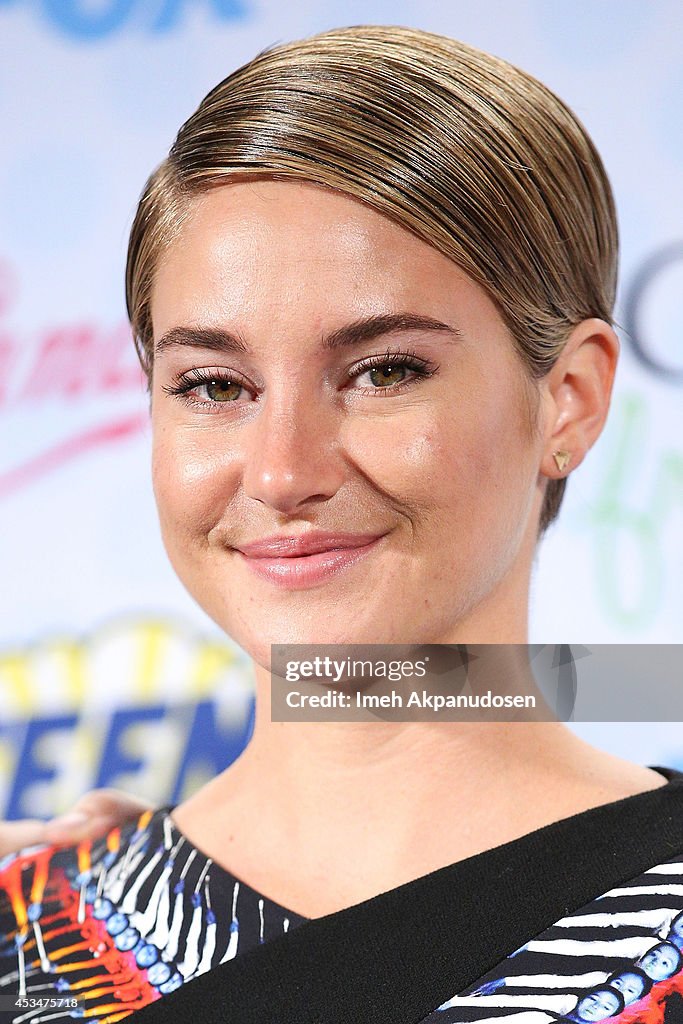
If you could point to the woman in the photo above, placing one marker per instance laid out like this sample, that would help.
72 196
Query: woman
372 289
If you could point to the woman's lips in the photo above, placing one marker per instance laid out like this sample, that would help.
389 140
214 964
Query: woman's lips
300 572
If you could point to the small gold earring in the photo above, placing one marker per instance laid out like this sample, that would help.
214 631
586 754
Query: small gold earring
562 459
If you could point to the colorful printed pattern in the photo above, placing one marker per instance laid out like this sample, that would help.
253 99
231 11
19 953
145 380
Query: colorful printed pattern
617 959
116 924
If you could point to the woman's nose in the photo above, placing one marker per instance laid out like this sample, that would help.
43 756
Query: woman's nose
293 456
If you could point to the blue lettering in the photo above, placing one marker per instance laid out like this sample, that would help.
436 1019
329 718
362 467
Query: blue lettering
210 748
115 761
205 747
229 8
170 10
30 768
78 19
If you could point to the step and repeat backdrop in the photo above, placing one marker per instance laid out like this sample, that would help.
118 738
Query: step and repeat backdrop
109 674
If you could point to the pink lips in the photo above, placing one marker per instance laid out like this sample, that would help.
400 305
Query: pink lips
296 562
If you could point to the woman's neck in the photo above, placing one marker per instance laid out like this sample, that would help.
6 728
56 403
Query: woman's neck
319 816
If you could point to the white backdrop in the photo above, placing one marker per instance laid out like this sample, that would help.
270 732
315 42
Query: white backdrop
108 671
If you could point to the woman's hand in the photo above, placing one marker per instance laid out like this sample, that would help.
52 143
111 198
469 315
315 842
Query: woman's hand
94 814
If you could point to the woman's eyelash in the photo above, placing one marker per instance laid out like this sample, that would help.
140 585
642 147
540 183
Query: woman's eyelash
195 377
186 382
411 360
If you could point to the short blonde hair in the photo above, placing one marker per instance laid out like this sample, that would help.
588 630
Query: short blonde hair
471 154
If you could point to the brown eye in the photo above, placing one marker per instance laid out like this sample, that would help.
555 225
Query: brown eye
382 376
222 390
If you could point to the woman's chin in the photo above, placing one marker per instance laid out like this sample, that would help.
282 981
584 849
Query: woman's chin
320 637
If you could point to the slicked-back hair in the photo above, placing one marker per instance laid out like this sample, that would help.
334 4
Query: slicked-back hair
469 153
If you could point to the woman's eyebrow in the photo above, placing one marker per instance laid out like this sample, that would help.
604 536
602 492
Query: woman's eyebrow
383 323
365 329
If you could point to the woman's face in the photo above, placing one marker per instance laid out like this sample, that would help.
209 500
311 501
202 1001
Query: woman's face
630 985
598 1005
659 962
434 457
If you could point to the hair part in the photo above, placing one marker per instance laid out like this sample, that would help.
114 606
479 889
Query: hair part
469 153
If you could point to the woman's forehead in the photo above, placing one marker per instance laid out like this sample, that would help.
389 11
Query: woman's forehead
293 223
255 248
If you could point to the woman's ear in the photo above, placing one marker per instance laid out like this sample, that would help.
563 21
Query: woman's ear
577 394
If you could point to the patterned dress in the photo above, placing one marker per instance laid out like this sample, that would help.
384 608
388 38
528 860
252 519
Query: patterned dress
581 921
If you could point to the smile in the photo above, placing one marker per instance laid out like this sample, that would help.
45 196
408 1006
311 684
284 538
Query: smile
303 571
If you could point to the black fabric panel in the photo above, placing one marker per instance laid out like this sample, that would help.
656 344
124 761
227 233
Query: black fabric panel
395 958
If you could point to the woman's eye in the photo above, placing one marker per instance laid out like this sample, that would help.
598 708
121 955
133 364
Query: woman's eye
391 372
221 390
384 376
199 388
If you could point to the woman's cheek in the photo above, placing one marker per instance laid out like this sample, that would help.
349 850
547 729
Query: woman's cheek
422 453
191 486
402 457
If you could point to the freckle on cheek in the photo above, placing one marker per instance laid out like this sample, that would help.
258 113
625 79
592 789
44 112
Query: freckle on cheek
421 450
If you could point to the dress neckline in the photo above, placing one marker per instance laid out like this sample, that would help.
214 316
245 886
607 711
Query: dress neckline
400 955
476 861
